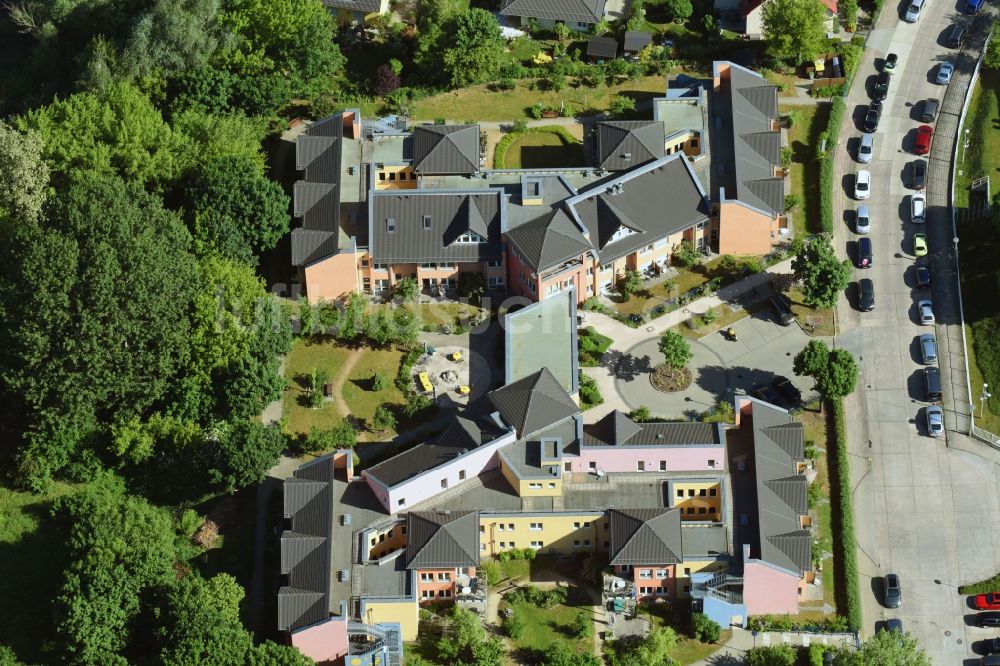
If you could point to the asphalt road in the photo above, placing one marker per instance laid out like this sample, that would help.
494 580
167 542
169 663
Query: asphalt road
925 509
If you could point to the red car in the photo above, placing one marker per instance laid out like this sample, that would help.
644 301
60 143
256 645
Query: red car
924 135
989 601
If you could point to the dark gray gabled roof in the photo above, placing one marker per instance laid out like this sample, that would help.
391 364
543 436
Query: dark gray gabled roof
645 536
617 429
625 144
781 491
441 149
533 403
316 198
305 548
583 11
661 198
636 41
461 435
355 5
602 47
442 539
449 215
549 240
755 146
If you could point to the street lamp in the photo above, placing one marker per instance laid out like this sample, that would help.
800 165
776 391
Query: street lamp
986 395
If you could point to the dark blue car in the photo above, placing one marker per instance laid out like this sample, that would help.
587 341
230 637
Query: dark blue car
973 6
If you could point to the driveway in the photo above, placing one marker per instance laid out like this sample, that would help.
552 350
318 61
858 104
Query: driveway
922 506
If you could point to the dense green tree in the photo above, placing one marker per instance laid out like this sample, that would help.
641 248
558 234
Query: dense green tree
835 371
488 652
24 175
104 328
383 419
241 452
234 209
116 131
120 547
210 137
251 385
653 649
679 9
206 88
885 648
705 628
772 655
475 50
795 29
676 349
171 36
629 283
583 625
992 58
561 654
432 24
823 276
406 289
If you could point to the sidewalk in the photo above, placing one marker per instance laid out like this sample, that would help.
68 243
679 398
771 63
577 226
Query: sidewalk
734 651
626 338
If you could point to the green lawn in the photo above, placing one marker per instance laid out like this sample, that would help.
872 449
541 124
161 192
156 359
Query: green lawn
545 626
687 278
540 150
803 137
438 314
690 650
32 556
724 316
361 400
483 104
819 434
978 259
821 321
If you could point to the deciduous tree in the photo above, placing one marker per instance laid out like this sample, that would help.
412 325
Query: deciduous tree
823 276
476 48
24 175
795 29
241 452
675 348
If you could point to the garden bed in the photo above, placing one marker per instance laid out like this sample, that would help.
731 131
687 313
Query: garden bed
592 346
670 380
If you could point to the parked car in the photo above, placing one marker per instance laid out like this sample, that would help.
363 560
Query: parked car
989 601
893 594
866 295
918 208
923 277
913 11
932 384
765 393
973 6
787 389
945 71
956 35
781 311
991 619
866 147
926 310
889 65
928 349
919 245
990 645
928 112
864 258
881 86
918 174
922 146
862 220
862 184
872 116
935 420
892 624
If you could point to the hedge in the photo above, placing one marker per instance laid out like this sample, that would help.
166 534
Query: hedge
500 153
982 587
826 164
845 561
404 376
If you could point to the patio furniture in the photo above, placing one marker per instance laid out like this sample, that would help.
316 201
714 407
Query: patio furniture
425 382
464 390
456 356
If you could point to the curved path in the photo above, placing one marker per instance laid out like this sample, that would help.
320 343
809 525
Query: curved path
921 507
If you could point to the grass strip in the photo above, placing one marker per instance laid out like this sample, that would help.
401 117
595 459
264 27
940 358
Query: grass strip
845 559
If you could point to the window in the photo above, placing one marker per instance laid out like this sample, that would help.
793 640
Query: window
536 544
445 264
680 492
427 222
389 534
535 526
687 571
373 541
660 243
568 467
712 492
586 543
390 225
531 287
660 590
381 538
645 573
426 594
502 527
426 265
587 524
661 573
576 544
535 486
495 263
690 510
444 483
444 575
590 290
444 594
470 237
482 547
690 492
513 544
381 175
552 485
392 175
592 465
402 501
702 492
649 248
576 526
606 267
607 544
482 529
663 465
503 544
640 465
380 267
694 143
495 281
461 475
627 157
510 527
620 234
580 25
702 510
701 225
404 530
711 464
426 576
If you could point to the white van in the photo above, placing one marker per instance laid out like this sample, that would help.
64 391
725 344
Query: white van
913 12
866 147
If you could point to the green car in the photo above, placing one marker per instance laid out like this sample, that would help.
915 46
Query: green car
920 245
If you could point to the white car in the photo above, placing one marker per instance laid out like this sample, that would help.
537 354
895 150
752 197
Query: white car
918 208
862 185
926 310
862 220
913 11
866 147
935 421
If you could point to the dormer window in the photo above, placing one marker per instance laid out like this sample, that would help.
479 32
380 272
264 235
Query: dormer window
427 222
470 237
621 233
390 225
627 157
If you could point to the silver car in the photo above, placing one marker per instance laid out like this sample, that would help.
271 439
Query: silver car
918 208
928 349
926 310
935 421
863 220
945 70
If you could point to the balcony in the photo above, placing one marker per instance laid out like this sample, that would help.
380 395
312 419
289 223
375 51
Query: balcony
723 587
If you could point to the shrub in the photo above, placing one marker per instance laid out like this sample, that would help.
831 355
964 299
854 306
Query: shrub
583 625
826 165
404 377
792 202
520 126
537 597
592 346
842 518
708 316
981 587
621 106
640 414
503 84
416 403
786 157
492 571
685 255
590 396
772 655
513 625
705 628
518 554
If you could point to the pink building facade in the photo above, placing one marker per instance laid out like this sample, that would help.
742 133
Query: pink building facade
769 589
649 459
324 641
428 484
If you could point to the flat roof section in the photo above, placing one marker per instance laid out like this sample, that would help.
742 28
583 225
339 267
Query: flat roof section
544 335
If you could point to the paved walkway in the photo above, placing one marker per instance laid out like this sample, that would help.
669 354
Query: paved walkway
734 651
